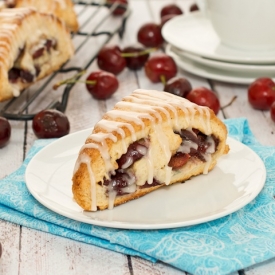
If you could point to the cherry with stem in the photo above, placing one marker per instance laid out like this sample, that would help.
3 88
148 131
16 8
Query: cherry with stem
160 68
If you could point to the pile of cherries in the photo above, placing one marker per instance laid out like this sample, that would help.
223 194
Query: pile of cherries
159 67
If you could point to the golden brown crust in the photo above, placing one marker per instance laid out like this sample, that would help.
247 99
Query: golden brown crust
157 116
21 31
63 9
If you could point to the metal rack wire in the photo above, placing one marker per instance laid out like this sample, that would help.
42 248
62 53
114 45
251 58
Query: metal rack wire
22 113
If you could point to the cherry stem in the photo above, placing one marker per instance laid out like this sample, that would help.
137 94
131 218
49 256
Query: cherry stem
229 103
73 80
163 79
134 54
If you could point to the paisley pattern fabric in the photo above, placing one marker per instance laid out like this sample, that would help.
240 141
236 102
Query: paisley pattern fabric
222 246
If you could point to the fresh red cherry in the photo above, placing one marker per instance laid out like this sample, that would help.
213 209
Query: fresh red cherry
50 124
204 97
272 111
170 9
194 7
103 84
109 59
150 35
135 56
160 68
5 132
261 93
179 86
123 4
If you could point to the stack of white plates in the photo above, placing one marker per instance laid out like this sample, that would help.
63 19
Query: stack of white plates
197 49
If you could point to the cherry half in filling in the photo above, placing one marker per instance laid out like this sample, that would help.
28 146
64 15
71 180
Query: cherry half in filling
194 144
134 152
123 182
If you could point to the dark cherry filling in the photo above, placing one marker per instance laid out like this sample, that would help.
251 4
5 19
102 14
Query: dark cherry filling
122 180
46 46
13 75
180 159
118 182
134 152
26 76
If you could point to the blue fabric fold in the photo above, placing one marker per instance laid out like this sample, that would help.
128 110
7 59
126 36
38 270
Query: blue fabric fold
222 246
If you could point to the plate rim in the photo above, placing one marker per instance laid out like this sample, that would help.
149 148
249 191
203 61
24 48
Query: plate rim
198 15
138 226
219 64
187 66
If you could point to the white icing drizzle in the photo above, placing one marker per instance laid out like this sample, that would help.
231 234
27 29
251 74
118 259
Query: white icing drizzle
186 146
168 175
208 154
110 126
163 141
87 160
208 159
150 166
111 197
103 149
157 106
143 110
131 188
128 163
142 150
132 116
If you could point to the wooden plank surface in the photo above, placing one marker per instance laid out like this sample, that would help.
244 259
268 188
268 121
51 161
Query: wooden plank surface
27 251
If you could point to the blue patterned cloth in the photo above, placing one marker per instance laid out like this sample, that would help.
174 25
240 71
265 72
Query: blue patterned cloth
222 246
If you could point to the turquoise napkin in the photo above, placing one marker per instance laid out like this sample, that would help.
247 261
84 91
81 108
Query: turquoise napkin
225 245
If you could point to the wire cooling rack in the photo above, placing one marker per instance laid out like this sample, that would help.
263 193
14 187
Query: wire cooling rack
95 20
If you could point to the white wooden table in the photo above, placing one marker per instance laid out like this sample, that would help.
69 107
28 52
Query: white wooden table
27 251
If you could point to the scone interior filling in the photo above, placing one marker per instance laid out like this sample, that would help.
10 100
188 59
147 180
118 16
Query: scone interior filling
123 179
31 59
194 144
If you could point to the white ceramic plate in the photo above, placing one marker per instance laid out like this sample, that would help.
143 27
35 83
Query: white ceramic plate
194 33
252 69
235 181
205 71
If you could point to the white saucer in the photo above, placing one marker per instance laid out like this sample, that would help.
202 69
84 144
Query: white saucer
201 70
194 33
251 69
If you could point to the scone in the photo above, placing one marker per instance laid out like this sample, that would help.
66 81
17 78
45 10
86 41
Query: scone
63 9
32 45
150 139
